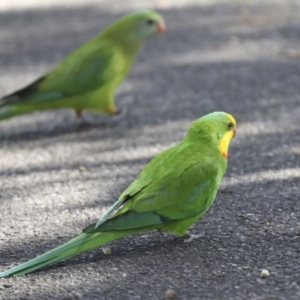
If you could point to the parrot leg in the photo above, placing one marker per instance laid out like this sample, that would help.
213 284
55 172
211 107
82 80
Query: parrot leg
190 237
79 112
84 121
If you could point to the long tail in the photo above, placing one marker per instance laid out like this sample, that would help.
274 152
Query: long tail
11 110
6 112
7 103
81 243
7 106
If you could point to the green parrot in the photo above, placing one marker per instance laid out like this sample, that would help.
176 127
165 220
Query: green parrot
88 77
170 194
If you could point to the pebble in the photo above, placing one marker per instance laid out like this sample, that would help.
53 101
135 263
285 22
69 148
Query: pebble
170 294
264 273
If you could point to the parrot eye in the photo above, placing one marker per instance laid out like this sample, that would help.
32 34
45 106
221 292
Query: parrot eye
150 22
230 125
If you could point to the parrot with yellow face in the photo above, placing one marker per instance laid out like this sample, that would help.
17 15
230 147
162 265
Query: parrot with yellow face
170 194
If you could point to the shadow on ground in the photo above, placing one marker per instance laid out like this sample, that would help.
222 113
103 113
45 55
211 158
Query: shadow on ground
217 57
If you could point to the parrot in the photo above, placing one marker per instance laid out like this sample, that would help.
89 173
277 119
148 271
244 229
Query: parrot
170 194
87 78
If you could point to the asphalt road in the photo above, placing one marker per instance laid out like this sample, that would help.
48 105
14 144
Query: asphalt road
217 55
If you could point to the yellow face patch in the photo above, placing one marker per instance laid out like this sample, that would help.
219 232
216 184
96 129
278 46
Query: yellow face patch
225 140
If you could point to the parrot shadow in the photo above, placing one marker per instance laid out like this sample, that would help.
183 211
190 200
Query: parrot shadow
50 127
130 247
219 242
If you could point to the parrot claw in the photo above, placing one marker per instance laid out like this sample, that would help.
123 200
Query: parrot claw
162 233
190 237
120 114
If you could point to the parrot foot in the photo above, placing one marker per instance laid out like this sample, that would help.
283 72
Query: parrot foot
119 114
162 233
190 237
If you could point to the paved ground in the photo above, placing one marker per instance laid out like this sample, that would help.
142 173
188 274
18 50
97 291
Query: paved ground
217 55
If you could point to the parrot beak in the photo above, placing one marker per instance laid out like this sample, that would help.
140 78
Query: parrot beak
161 27
234 133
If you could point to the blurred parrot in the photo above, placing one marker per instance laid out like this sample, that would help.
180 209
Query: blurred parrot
170 194
88 77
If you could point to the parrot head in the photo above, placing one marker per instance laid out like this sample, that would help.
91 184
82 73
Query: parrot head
138 25
145 23
218 127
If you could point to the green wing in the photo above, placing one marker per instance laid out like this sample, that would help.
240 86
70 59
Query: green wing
83 71
177 194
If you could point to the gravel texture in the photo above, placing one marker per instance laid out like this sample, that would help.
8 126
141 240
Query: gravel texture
57 176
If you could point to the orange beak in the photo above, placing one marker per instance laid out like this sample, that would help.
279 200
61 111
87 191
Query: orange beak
234 133
161 27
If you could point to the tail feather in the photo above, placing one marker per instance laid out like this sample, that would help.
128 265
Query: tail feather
79 244
22 93
6 112
14 105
